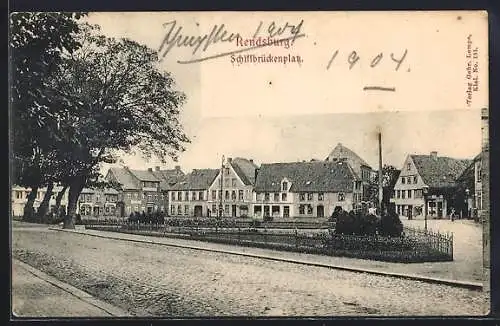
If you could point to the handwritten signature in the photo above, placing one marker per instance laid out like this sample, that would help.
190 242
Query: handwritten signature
220 34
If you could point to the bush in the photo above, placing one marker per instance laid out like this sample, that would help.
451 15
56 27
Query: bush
390 224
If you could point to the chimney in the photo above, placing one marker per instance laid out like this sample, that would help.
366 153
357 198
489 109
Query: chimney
434 155
157 168
256 173
229 159
150 169
177 167
251 160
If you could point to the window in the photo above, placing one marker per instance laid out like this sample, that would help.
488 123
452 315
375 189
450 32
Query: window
227 182
201 195
408 166
409 180
398 193
320 196
179 210
227 195
19 195
284 186
302 196
193 196
418 193
479 174
301 209
286 211
233 182
403 180
276 197
403 194
172 210
149 198
283 197
341 196
179 196
186 195
415 179
233 195
309 196
266 196
220 194
214 208
186 209
214 194
309 209
226 171
240 194
226 209
409 193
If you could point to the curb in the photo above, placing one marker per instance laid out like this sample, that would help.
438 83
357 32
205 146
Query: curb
461 284
82 295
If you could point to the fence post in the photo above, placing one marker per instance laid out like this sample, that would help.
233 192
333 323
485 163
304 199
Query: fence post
296 238
451 245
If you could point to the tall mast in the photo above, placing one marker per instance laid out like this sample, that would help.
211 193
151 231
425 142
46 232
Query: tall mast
221 183
380 175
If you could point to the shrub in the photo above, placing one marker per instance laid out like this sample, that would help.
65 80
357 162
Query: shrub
390 224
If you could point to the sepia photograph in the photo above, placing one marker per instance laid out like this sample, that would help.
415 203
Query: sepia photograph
249 164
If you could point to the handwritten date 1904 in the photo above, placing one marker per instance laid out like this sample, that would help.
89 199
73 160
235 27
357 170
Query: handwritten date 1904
353 58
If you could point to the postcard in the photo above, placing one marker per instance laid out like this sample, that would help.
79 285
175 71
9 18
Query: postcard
249 164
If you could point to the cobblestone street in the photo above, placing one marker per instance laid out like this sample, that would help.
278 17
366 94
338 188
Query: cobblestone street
153 280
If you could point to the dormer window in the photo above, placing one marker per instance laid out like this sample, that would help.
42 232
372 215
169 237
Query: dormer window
284 186
408 166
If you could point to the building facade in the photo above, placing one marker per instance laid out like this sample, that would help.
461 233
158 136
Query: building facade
189 196
427 185
305 189
142 190
360 167
231 192
19 198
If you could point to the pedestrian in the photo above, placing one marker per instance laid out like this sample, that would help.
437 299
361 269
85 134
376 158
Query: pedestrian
452 214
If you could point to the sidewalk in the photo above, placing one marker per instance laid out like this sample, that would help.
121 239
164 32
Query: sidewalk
441 273
36 294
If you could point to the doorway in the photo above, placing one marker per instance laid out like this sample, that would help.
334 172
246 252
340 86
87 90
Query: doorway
233 210
320 211
198 211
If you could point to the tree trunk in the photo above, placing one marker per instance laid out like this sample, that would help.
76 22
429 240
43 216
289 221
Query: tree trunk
74 192
44 206
29 212
59 198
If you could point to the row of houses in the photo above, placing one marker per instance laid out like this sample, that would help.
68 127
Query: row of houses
427 185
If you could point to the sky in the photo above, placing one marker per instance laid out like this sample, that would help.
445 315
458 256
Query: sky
282 113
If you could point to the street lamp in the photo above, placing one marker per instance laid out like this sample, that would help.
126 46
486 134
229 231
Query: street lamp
467 191
425 190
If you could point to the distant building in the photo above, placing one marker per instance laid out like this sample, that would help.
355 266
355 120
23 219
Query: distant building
140 189
427 185
305 189
236 192
188 197
469 190
19 198
360 167
98 203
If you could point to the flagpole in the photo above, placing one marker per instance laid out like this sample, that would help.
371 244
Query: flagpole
380 175
221 183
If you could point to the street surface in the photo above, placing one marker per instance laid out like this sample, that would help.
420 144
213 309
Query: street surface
154 280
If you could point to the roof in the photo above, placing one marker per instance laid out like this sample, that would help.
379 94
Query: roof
306 177
245 169
342 152
121 175
168 177
198 179
144 175
439 171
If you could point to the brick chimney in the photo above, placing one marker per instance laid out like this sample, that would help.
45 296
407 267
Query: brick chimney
251 160
157 168
434 155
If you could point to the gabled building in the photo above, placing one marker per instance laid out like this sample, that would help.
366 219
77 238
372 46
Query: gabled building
470 191
168 178
188 197
427 185
360 167
140 190
234 196
305 189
